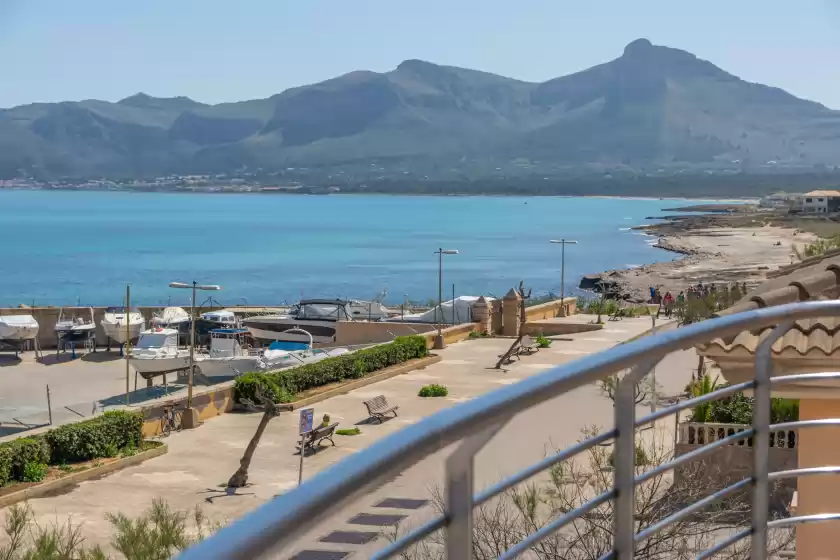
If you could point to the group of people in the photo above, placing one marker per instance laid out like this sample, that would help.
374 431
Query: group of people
715 297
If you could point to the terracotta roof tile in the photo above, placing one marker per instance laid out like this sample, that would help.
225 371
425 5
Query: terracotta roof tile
812 336
814 278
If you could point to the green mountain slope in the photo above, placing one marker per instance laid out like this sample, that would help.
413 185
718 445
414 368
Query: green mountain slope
652 105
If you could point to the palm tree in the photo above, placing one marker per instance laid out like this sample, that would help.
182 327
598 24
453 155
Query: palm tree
703 386
271 409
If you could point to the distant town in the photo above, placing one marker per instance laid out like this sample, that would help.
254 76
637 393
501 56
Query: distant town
221 183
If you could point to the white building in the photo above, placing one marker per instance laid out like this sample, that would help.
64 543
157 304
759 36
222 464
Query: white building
821 202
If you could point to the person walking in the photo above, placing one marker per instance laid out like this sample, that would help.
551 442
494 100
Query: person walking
668 302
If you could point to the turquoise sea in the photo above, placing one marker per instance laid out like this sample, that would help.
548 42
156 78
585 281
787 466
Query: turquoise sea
63 247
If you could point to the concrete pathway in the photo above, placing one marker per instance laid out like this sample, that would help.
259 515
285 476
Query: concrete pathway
200 461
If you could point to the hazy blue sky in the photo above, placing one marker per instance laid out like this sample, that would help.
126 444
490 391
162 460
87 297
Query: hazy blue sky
224 50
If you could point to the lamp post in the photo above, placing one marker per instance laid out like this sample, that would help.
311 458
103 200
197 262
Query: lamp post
190 417
563 243
440 252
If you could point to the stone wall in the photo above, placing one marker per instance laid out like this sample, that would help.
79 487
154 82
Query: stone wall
359 332
552 309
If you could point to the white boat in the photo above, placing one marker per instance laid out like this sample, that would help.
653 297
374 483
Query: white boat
123 325
157 352
172 317
76 327
317 317
222 319
16 328
361 310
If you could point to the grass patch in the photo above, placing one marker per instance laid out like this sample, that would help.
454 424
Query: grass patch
433 390
349 432
475 334
542 341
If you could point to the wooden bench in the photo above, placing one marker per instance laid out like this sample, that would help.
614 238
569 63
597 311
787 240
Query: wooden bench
317 436
528 345
379 408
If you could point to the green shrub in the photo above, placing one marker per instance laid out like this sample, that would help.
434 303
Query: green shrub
737 408
642 458
251 384
5 465
34 472
27 450
349 432
95 438
477 334
542 341
433 390
287 383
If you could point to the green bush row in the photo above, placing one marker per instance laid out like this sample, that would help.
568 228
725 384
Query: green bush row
283 385
103 436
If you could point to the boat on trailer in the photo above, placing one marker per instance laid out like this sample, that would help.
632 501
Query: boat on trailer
75 329
17 328
123 325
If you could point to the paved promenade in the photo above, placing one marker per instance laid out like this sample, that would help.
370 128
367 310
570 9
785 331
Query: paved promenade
201 460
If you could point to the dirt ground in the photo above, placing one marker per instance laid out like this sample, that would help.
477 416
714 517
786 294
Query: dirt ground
715 255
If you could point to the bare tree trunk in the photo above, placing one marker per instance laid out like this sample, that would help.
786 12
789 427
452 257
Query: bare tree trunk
522 320
240 477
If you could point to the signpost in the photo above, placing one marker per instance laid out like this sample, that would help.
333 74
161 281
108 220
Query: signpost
307 415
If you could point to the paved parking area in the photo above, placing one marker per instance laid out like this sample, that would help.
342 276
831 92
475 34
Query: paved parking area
201 460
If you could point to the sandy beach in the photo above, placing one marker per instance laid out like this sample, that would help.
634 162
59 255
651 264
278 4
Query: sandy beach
712 255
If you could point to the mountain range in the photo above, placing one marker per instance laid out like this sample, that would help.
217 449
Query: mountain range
652 105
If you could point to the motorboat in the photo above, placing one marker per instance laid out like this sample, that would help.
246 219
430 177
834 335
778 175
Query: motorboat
222 319
123 325
172 317
17 328
157 352
361 310
75 328
316 317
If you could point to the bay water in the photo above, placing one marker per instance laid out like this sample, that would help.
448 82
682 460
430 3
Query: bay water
68 247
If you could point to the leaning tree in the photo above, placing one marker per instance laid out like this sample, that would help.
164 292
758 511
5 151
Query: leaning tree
270 410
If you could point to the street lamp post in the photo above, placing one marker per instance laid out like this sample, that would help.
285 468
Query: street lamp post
563 243
439 345
190 417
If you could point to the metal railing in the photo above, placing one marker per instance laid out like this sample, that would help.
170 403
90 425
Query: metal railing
277 524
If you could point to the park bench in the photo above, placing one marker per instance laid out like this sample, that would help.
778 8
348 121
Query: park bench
318 435
378 408
528 345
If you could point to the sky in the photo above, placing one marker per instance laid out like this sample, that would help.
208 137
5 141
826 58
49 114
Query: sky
224 50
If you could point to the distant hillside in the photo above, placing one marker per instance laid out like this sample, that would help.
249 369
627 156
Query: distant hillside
651 106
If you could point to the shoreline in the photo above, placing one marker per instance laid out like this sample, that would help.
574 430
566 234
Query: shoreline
699 198
721 254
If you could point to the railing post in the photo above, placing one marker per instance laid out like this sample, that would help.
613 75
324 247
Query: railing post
624 462
459 495
761 441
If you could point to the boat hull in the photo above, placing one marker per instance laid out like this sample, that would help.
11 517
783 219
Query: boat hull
117 331
323 332
17 333
159 366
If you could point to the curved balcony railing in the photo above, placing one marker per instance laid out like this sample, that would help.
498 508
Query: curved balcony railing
278 524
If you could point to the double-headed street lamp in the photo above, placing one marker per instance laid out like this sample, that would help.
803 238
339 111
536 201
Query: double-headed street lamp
563 243
440 252
191 413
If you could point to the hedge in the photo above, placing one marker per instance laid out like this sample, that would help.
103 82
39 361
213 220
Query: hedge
103 436
283 385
